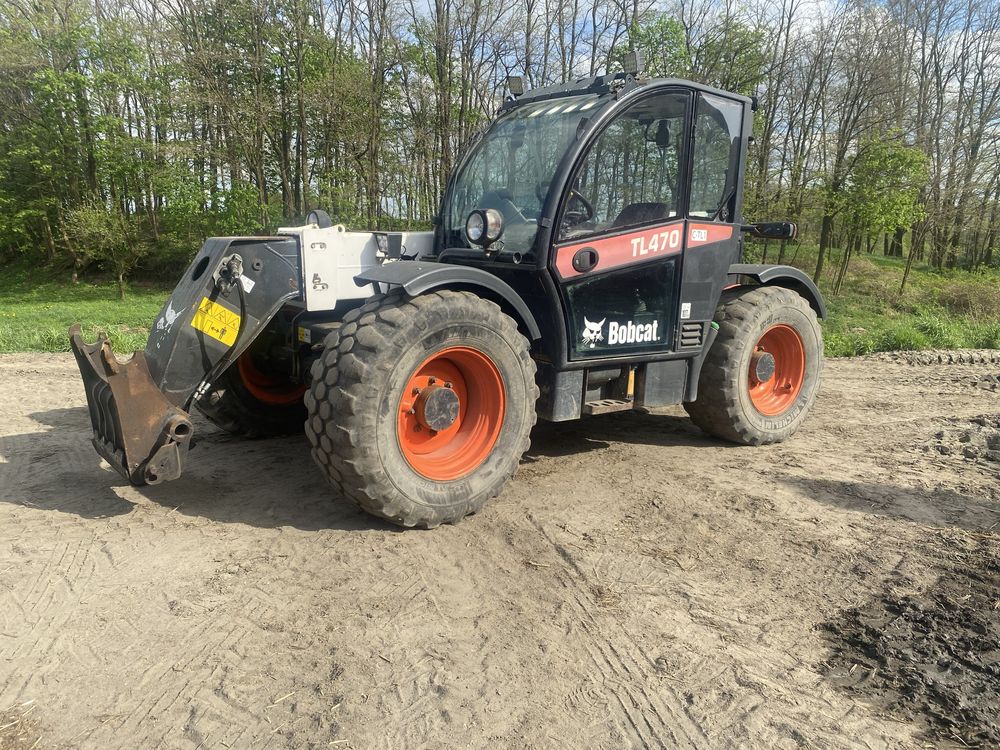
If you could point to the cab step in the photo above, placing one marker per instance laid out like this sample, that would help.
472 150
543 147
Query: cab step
607 405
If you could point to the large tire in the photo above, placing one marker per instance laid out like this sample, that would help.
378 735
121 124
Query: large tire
245 402
733 402
368 427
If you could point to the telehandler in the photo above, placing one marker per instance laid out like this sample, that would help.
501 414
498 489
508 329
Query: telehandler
586 260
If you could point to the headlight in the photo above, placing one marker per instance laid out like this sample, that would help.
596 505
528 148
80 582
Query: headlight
484 226
494 224
474 227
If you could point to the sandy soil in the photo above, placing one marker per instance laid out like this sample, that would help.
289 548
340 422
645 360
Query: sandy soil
637 586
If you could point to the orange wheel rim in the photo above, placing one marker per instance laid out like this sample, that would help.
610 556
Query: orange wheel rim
777 370
471 389
267 389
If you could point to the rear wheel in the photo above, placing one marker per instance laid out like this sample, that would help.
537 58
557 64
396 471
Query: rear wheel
420 409
762 374
247 401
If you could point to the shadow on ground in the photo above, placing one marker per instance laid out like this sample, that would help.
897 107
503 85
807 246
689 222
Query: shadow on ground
266 483
57 469
938 506
634 427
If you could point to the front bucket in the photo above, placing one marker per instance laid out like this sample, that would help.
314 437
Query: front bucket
136 429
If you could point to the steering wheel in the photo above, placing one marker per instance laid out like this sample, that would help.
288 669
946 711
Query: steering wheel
571 218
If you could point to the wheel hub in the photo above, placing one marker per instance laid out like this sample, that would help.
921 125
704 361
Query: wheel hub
450 413
777 370
762 366
437 407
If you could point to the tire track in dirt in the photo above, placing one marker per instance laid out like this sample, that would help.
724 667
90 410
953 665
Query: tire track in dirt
411 700
181 616
647 719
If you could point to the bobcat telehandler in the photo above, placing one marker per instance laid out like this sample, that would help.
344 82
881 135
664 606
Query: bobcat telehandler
586 259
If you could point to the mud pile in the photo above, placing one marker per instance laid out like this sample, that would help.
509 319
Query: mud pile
988 383
975 439
932 656
940 357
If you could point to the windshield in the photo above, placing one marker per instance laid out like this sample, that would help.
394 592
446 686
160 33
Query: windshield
512 166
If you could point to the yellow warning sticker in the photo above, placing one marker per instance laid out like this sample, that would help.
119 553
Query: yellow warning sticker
217 321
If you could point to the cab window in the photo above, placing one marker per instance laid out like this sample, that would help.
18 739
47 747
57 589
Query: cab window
631 175
715 158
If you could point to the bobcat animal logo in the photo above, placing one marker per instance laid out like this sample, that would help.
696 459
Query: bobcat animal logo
592 332
169 316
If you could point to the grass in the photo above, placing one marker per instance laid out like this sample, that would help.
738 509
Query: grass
946 310
37 307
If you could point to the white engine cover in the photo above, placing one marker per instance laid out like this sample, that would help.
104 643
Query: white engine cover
332 257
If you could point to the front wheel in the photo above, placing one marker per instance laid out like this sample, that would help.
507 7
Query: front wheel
762 375
420 409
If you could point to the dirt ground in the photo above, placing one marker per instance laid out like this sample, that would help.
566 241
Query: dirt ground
638 585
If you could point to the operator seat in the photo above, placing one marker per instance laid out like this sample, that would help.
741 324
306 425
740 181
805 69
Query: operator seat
503 201
640 213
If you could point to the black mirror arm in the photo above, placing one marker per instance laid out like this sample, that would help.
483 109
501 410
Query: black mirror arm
771 230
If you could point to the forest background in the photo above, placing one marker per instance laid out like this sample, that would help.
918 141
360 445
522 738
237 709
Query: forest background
130 130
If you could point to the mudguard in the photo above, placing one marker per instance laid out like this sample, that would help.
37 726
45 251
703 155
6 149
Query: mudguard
139 408
786 276
417 277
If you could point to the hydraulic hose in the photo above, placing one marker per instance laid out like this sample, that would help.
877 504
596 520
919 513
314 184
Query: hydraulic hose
234 280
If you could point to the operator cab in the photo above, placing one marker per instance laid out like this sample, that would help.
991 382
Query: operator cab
597 156
601 187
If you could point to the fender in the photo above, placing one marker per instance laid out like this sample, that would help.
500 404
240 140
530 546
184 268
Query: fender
786 276
417 278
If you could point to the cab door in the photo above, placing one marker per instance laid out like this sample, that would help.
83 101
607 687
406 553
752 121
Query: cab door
647 231
620 235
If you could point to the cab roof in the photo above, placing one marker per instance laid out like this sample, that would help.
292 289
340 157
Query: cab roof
607 84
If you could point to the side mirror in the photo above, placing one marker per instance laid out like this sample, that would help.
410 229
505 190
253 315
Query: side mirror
658 132
772 230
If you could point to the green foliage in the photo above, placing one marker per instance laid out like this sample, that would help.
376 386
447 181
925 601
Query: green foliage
107 235
734 58
236 211
660 39
191 212
883 190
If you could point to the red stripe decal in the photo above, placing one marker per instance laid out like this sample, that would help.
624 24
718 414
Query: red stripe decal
704 234
642 244
622 249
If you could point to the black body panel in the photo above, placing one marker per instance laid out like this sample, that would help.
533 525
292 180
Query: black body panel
418 277
786 276
178 354
661 383
560 393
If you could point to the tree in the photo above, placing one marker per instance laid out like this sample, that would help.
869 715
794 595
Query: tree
189 117
883 191
110 238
